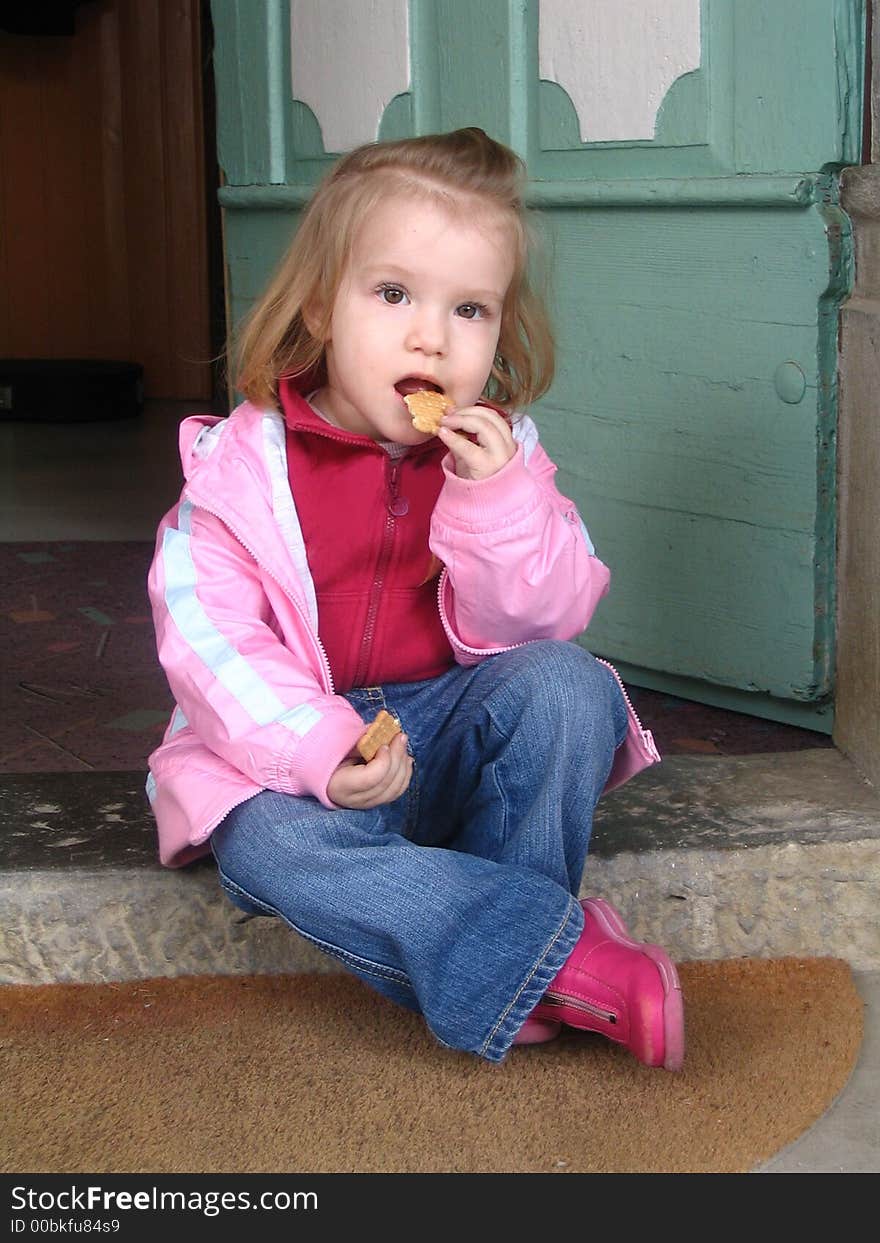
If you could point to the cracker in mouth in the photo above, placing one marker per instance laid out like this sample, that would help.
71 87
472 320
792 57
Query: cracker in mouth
427 409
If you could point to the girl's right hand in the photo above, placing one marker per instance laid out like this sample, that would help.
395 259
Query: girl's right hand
357 785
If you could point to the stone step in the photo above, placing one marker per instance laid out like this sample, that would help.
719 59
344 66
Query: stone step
713 857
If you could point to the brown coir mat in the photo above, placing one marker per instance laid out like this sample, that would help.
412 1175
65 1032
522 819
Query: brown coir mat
316 1073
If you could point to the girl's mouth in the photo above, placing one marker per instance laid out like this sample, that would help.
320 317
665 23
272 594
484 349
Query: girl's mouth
415 384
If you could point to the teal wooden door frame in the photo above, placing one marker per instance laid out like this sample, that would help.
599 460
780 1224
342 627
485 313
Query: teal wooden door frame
698 279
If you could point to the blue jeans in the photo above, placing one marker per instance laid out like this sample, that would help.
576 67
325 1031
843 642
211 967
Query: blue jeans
459 899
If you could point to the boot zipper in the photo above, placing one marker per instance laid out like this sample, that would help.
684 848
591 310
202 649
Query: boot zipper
574 1003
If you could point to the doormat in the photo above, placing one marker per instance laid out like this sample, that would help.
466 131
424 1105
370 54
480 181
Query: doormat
318 1074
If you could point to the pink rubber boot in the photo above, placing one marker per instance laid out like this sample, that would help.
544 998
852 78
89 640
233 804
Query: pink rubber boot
626 990
537 1031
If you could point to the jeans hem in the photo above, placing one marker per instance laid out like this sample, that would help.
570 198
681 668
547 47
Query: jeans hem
535 986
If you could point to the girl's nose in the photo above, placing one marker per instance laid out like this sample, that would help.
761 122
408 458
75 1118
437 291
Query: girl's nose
427 333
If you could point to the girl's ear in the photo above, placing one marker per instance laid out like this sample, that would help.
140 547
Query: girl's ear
313 315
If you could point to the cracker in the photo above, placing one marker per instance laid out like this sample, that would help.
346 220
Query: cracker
382 730
427 409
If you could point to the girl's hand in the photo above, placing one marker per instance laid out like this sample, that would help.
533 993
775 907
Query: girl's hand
358 785
494 445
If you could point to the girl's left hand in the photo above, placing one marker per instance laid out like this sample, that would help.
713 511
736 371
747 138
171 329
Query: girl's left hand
493 448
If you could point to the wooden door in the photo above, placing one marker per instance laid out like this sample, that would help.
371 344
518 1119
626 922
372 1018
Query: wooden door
103 233
684 162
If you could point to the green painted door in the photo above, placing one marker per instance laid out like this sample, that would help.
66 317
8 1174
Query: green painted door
684 161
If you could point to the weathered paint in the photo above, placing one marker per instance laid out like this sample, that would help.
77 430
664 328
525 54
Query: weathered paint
616 59
688 269
349 59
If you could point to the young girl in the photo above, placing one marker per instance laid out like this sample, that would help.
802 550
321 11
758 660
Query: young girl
327 560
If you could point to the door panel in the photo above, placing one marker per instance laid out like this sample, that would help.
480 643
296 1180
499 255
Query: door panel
698 267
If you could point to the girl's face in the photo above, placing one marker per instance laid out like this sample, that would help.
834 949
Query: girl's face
419 307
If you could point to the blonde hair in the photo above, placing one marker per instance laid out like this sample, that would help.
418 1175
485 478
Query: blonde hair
456 169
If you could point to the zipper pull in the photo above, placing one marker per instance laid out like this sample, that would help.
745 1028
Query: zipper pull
398 506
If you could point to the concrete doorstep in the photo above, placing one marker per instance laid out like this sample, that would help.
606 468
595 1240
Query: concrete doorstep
713 857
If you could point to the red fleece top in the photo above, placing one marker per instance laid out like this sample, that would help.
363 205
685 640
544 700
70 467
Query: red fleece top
365 519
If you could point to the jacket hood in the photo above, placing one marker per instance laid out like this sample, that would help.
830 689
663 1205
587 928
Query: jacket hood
195 439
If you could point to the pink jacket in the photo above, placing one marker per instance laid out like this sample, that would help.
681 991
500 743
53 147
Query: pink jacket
237 629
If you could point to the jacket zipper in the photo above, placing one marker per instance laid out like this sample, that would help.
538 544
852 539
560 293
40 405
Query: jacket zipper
645 735
576 1003
204 834
455 642
392 474
325 663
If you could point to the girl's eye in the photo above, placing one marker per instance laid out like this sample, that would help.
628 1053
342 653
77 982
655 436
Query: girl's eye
392 295
472 310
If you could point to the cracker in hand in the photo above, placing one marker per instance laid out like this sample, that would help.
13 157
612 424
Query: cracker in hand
427 409
382 730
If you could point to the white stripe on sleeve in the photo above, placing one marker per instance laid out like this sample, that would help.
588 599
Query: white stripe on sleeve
227 665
